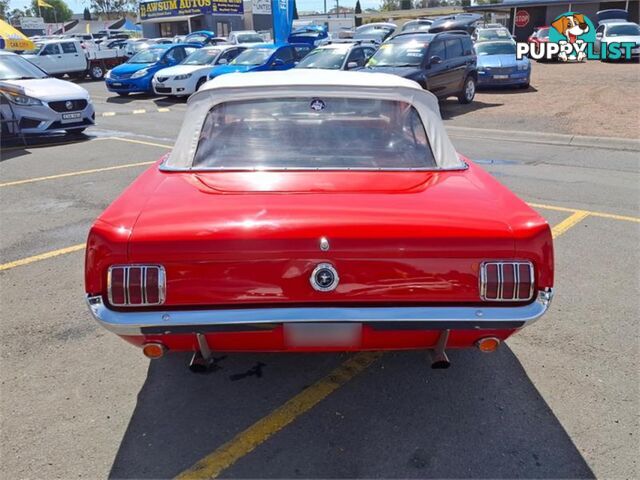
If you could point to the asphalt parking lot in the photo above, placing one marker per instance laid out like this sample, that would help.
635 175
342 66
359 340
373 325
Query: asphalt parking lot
560 399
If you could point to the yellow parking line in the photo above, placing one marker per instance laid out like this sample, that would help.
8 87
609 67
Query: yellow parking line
93 170
162 110
72 174
42 256
108 114
613 216
246 441
140 110
568 223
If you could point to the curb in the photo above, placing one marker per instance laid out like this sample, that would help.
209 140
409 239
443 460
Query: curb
609 143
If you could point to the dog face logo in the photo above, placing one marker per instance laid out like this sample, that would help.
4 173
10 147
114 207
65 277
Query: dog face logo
571 26
572 31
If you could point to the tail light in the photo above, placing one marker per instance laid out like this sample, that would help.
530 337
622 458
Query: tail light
136 285
506 281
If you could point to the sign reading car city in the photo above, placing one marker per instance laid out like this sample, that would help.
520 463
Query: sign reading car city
173 8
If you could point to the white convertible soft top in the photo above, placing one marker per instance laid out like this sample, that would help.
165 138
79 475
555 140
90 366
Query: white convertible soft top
311 83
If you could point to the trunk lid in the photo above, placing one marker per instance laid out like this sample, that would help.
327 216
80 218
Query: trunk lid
254 237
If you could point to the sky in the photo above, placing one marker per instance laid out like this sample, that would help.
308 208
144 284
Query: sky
303 5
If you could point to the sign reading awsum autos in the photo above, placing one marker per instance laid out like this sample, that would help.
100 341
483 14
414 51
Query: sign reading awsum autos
173 8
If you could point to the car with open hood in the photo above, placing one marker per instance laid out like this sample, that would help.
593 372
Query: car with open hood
378 31
467 22
417 25
256 233
32 102
313 35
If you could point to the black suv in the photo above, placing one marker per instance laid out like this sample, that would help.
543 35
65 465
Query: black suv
443 63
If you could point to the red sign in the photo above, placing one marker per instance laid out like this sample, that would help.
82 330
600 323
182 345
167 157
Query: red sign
522 18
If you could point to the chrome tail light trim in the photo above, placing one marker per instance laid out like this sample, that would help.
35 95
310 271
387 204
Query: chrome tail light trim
500 267
162 287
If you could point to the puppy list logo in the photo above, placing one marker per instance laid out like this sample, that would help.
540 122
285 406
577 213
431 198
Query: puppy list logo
572 38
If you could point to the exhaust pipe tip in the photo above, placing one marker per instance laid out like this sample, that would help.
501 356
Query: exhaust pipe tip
440 361
154 350
488 344
441 364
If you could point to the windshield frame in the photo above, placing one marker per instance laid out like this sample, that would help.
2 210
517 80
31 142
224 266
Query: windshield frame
319 52
623 25
484 45
161 52
422 44
205 53
249 38
415 112
23 61
271 51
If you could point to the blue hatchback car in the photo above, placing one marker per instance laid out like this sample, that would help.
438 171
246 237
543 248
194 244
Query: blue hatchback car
498 65
314 35
135 75
264 57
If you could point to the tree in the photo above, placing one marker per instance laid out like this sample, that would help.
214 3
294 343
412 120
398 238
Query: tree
4 9
389 5
358 10
17 13
86 14
405 4
61 9
113 8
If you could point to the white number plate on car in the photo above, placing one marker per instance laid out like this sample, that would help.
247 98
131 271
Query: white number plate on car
323 334
68 117
501 77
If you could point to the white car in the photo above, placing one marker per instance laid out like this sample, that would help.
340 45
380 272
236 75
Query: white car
187 77
244 37
32 102
620 32
133 46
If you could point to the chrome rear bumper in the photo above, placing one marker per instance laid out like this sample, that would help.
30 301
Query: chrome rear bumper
391 318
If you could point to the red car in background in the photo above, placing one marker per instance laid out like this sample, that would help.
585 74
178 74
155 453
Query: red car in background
540 35
316 211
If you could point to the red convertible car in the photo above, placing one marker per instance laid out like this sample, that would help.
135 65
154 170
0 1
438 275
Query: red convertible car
316 211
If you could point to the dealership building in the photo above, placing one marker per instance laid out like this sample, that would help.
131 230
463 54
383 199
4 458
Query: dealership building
525 15
167 18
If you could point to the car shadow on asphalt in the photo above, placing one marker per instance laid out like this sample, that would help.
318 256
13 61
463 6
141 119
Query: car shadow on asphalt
481 418
451 108
132 97
15 147
507 91
169 101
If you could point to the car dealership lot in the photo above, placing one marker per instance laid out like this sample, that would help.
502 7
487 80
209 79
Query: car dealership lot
560 399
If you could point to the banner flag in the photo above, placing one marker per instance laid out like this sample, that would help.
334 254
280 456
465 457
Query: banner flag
282 14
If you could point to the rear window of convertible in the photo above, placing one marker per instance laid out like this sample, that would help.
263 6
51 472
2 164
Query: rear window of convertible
313 133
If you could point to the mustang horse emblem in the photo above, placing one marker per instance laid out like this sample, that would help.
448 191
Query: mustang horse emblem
324 278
